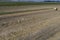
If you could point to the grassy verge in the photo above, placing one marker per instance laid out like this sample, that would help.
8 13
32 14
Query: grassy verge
26 3
2 13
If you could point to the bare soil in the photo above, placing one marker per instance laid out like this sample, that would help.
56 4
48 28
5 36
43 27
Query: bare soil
36 25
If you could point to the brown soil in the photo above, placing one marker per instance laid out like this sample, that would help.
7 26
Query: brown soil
37 25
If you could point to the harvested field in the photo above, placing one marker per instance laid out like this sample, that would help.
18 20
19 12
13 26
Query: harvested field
35 25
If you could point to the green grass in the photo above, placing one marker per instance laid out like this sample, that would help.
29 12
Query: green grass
26 3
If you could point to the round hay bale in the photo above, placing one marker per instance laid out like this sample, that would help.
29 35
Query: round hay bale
55 9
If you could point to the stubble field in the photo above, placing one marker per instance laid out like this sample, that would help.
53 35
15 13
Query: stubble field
33 25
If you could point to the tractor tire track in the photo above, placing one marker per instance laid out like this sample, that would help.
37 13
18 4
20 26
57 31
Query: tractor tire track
47 32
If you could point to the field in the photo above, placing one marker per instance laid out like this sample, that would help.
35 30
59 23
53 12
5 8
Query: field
30 22
22 6
27 3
